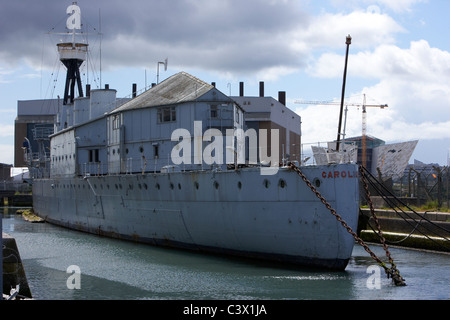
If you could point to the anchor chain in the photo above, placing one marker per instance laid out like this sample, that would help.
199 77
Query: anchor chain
394 274
393 268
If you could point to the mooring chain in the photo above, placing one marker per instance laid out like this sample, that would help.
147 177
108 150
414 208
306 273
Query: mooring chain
394 274
377 223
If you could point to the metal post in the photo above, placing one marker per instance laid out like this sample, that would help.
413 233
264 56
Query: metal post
347 42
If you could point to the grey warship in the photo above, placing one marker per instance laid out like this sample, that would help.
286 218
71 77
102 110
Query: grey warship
174 166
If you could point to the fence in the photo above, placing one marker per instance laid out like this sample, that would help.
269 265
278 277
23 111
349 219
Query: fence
426 184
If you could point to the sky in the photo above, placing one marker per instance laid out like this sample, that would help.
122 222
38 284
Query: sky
399 56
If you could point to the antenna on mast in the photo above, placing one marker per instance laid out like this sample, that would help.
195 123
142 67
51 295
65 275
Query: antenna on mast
100 33
165 62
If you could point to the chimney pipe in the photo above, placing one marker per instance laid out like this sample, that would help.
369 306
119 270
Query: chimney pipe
213 84
261 89
241 89
134 90
88 90
107 86
282 97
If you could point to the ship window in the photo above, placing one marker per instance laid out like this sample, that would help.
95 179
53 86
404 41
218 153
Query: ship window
214 113
116 122
167 114
94 155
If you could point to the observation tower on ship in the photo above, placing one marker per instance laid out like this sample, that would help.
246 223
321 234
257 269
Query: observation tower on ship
72 55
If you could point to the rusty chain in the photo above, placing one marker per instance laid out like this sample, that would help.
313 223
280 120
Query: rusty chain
391 272
377 223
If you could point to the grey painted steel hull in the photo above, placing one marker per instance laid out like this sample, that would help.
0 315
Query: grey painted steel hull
239 212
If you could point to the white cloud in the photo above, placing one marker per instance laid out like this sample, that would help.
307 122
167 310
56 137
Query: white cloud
398 6
413 82
367 29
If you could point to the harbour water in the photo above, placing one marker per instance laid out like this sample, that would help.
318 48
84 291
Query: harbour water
119 270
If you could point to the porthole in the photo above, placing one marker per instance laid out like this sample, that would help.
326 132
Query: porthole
216 185
316 182
266 183
141 149
145 186
158 186
240 185
282 183
179 186
171 186
196 185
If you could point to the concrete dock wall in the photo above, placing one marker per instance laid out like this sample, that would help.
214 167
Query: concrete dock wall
13 270
425 230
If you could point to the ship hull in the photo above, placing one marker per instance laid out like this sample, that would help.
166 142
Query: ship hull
243 213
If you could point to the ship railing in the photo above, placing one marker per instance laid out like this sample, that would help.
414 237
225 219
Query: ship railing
94 169
42 132
39 172
322 153
129 166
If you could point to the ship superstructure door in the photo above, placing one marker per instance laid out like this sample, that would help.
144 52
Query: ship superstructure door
116 135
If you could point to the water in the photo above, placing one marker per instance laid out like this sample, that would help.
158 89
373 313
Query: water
113 269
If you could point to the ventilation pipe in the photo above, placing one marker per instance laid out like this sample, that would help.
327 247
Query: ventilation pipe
261 89
241 89
134 90
282 97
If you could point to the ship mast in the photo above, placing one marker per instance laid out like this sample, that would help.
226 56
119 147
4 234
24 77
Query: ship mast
72 55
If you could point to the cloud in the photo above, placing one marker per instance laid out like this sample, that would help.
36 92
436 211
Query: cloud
398 6
412 81
368 29
227 35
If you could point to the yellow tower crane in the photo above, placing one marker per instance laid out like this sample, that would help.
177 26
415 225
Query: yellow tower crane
364 119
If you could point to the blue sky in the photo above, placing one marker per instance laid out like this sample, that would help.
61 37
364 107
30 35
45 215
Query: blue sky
400 56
